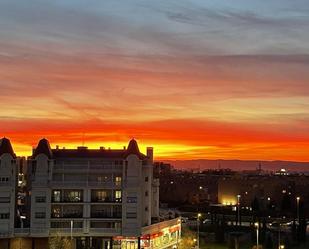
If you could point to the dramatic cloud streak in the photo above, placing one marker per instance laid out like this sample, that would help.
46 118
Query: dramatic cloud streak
196 80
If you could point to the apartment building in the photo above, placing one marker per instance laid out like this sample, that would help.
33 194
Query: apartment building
99 198
8 186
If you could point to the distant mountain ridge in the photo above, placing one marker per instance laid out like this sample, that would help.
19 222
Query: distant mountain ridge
239 164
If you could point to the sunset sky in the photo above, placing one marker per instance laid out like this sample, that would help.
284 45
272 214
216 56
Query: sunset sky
195 79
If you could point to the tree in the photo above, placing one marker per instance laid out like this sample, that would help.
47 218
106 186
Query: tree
269 244
255 205
59 242
286 203
188 239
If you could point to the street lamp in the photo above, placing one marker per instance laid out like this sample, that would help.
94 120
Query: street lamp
22 218
279 236
238 209
298 199
198 230
256 224
71 229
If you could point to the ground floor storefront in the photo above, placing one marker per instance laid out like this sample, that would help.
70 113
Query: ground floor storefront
162 235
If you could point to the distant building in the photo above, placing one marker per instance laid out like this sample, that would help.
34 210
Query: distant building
267 190
101 198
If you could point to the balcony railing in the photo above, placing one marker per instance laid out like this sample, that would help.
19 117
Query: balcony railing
112 231
106 200
22 231
67 215
65 231
69 200
108 215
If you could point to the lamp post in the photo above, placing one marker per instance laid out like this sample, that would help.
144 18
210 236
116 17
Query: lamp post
256 224
297 200
198 230
71 229
279 236
238 209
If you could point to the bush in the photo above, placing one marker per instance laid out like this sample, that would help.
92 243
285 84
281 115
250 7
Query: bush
59 242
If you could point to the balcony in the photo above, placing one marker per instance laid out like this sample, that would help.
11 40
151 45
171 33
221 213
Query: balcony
67 215
106 215
22 231
66 231
105 231
105 200
66 200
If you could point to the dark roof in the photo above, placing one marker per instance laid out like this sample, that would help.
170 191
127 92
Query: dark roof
43 148
6 147
84 152
133 149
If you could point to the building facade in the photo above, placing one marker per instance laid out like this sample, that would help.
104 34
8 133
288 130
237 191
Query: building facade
8 186
99 198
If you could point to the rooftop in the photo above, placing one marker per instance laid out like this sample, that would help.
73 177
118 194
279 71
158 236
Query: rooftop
83 152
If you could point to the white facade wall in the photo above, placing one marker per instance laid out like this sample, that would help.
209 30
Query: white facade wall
81 174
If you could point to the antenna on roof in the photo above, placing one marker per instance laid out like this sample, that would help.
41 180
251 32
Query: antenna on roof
83 139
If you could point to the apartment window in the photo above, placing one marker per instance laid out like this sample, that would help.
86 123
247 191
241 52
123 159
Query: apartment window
56 212
40 199
4 216
57 196
33 167
5 199
146 209
146 179
146 193
40 215
102 179
101 195
73 196
131 199
118 195
118 180
117 211
4 179
131 215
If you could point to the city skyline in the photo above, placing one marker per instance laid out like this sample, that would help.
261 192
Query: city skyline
195 80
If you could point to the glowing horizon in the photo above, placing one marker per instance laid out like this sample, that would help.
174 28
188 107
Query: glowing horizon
205 79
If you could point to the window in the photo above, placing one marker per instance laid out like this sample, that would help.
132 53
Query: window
5 199
101 196
118 195
56 196
33 167
146 209
117 211
4 216
146 193
73 196
56 212
118 180
40 215
4 179
131 215
131 199
146 179
103 179
40 199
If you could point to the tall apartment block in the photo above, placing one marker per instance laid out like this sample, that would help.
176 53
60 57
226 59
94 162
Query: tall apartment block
98 198
8 186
